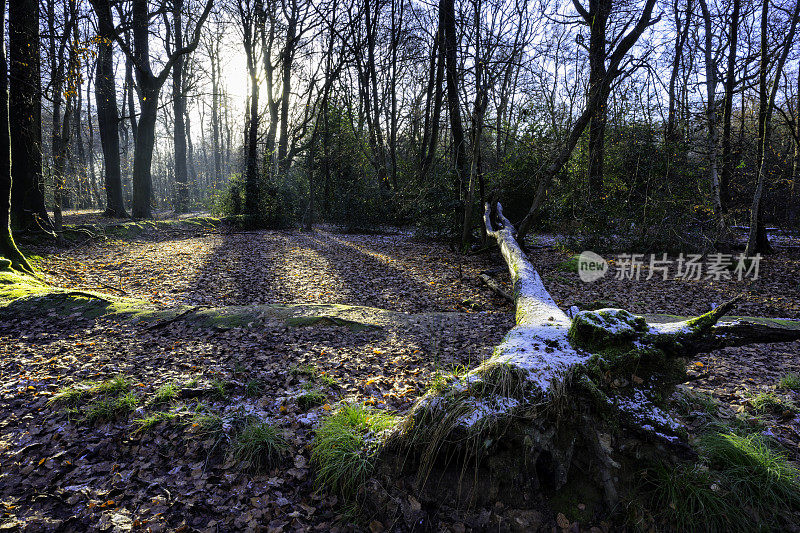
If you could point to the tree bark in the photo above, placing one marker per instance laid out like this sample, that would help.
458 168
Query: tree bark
794 201
757 241
107 113
597 20
286 84
680 40
215 129
252 188
430 137
179 113
8 248
448 16
711 114
25 117
149 88
481 101
727 113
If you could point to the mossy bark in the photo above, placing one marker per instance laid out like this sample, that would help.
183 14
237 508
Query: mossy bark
9 251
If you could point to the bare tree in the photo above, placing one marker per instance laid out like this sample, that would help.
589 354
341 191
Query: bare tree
615 58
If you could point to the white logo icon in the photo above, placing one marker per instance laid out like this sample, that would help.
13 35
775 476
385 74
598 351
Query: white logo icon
591 266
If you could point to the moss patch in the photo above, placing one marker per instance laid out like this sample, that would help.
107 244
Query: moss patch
604 328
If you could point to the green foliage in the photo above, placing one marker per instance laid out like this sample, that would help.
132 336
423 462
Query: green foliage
259 446
345 448
570 265
350 193
253 388
304 370
280 201
314 374
207 423
439 382
740 482
220 388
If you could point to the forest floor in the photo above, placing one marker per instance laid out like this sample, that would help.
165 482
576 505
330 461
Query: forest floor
60 472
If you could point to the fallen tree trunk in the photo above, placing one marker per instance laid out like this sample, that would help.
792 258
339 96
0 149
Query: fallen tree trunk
563 404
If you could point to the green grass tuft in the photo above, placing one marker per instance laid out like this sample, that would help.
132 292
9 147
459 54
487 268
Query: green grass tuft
770 402
260 446
761 478
254 388
313 374
220 388
166 393
67 395
310 398
107 409
790 381
147 423
325 379
570 265
207 423
345 448
115 385
690 498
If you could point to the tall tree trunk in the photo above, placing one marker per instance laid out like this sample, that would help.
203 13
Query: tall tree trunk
215 139
179 113
107 113
599 11
795 196
273 104
430 137
25 117
90 123
757 241
130 96
194 182
8 248
562 156
149 88
57 144
448 16
477 129
681 34
286 85
730 86
143 150
711 113
251 174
